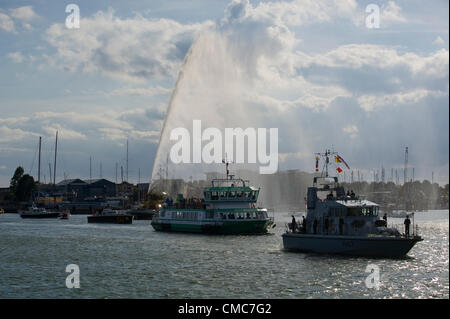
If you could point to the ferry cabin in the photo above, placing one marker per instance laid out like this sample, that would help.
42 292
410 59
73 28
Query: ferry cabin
224 209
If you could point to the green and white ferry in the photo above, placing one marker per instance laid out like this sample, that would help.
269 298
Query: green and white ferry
228 207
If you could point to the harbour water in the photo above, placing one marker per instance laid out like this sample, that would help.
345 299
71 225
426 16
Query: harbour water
134 261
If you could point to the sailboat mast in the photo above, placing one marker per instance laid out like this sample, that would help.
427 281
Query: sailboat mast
54 167
39 165
127 162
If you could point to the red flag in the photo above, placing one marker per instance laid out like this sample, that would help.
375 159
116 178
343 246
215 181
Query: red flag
340 159
339 170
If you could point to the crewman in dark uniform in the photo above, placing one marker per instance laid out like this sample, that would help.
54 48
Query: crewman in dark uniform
304 224
407 222
294 224
385 218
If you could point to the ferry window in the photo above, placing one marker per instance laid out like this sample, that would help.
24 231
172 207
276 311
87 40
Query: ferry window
207 195
247 194
222 194
163 214
232 194
239 194
214 196
265 214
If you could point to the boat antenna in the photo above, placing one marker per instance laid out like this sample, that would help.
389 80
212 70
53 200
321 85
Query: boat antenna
226 162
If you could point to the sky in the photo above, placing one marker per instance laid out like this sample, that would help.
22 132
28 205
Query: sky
311 68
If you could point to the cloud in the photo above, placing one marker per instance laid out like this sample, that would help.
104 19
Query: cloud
351 130
16 57
8 135
25 13
371 102
147 48
150 91
439 41
6 23
391 13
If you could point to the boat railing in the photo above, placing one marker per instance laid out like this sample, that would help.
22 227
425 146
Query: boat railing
298 228
414 230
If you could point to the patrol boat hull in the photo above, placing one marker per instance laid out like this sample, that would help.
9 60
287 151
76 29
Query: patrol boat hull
367 246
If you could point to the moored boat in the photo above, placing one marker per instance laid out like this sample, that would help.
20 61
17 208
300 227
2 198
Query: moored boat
37 212
344 223
111 216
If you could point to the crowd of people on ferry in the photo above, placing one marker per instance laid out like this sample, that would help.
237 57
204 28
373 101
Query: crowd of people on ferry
185 203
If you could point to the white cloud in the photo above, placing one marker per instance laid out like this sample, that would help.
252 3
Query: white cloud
25 13
65 133
391 13
16 57
372 102
303 12
147 48
439 41
351 130
6 23
359 56
150 91
14 134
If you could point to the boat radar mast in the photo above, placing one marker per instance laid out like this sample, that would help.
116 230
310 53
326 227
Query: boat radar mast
326 158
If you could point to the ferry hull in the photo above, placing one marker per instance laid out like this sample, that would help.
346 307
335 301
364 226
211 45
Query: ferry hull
350 245
242 227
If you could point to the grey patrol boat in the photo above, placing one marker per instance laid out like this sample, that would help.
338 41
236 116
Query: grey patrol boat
340 223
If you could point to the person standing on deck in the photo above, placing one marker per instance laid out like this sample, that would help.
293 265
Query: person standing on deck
304 224
407 222
294 224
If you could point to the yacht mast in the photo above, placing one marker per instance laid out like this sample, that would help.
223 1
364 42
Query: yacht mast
54 167
39 162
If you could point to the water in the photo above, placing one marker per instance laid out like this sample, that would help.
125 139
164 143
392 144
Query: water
133 261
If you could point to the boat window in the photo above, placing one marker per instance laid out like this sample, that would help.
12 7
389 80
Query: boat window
239 194
352 211
207 195
214 196
222 195
163 213
247 194
232 194
209 215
